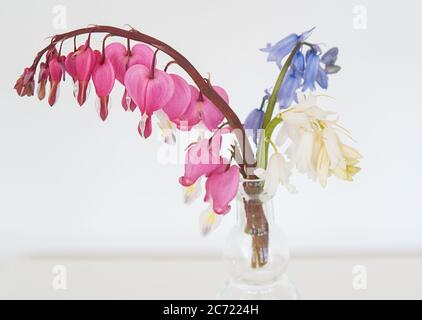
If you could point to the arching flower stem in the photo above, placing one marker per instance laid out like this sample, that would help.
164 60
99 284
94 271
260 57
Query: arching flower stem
206 89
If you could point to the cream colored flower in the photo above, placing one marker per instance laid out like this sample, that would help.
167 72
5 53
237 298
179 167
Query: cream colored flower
278 172
352 157
315 147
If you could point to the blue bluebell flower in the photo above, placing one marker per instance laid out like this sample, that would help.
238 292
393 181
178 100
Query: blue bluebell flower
329 59
282 48
253 122
322 78
311 69
298 63
305 71
289 87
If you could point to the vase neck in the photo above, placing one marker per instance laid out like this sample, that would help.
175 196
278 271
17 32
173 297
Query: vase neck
249 207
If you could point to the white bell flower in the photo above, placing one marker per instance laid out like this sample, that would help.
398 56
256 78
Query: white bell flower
277 172
315 147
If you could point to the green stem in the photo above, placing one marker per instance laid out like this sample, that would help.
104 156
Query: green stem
269 125
276 90
265 138
268 133
272 145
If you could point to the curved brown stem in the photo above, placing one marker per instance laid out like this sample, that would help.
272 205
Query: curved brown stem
205 88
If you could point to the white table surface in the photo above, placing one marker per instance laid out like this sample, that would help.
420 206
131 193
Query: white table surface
128 277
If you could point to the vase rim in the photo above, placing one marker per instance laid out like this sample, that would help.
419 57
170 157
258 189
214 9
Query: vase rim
251 180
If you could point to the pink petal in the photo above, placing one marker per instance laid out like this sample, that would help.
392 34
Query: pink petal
82 92
191 116
103 77
201 159
70 66
180 100
121 61
210 114
159 91
103 108
148 94
52 96
44 72
55 69
221 188
141 54
136 80
84 63
116 53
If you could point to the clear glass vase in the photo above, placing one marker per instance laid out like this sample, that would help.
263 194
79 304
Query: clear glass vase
256 253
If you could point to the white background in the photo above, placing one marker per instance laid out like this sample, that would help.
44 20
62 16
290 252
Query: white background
70 183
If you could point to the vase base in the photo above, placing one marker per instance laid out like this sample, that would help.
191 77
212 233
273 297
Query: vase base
280 289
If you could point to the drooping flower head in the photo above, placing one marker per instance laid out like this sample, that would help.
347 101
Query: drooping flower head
169 116
304 72
253 122
150 90
56 68
288 91
180 99
277 172
149 94
103 77
281 49
25 84
80 67
315 147
122 58
42 80
329 59
311 69
70 66
221 188
202 158
201 109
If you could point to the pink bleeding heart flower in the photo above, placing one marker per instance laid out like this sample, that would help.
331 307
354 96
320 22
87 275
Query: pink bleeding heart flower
42 80
202 109
180 100
116 53
70 65
121 58
55 68
149 90
202 158
83 65
103 77
221 188
25 84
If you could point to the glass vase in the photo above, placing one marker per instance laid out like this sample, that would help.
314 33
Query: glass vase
256 254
